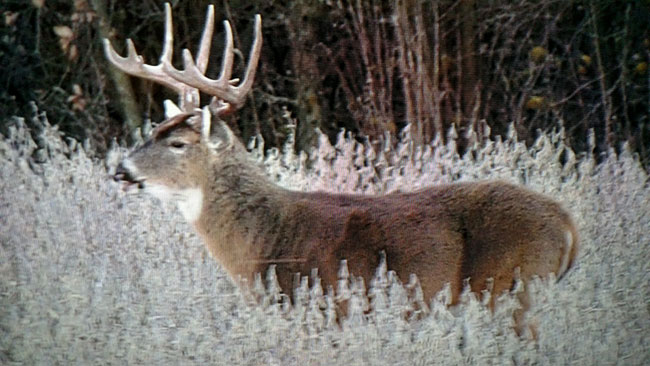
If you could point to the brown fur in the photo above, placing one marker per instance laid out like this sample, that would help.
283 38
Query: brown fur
442 234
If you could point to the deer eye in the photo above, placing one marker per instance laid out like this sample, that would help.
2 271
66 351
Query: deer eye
176 144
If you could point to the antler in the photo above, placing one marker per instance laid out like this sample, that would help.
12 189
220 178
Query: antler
189 81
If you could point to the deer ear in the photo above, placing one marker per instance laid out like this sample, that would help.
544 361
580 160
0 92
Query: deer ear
206 124
217 136
171 109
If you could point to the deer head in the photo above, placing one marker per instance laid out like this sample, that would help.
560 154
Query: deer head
171 163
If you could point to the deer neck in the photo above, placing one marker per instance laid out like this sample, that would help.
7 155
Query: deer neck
238 204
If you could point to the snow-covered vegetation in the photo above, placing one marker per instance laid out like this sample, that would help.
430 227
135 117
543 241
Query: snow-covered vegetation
89 275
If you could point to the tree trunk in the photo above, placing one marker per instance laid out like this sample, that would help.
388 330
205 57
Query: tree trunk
470 78
125 94
305 65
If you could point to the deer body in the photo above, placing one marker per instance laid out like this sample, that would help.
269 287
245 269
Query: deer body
443 234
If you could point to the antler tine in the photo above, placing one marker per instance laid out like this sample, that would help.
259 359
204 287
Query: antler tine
206 40
221 88
254 58
226 67
168 42
133 64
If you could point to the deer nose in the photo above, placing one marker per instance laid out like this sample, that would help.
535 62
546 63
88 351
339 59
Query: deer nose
122 174
126 179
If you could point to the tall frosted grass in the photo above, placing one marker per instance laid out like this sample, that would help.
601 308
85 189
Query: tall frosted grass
89 275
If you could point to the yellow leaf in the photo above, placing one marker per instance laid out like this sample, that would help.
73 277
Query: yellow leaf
63 31
77 100
535 102
538 54
10 18
81 5
73 53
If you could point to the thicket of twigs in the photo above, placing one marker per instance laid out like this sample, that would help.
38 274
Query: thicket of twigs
366 66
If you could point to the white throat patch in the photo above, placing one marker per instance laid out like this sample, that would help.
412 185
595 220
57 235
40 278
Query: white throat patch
189 201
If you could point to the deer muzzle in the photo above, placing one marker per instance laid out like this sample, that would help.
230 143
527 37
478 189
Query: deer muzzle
127 179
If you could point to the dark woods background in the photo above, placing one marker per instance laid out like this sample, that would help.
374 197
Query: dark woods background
366 66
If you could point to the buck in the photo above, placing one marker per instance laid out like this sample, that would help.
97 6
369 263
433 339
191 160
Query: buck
443 234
